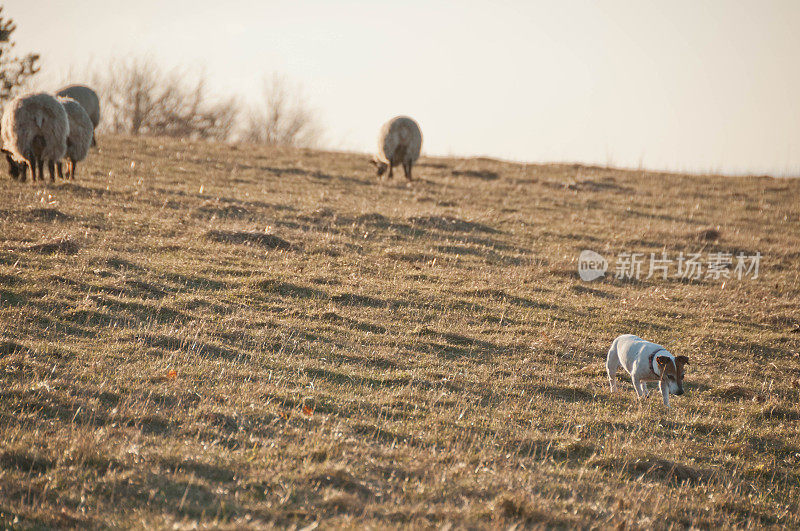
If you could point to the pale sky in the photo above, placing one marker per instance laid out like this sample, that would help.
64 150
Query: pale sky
695 85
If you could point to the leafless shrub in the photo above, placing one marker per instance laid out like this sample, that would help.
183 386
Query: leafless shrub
283 118
15 72
142 98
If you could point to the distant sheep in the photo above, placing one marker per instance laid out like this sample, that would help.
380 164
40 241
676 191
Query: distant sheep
88 100
79 139
400 142
34 131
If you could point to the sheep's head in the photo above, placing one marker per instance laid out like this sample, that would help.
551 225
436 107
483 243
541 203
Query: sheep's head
13 167
380 166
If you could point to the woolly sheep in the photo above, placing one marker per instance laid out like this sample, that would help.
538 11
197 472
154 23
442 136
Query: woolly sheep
88 100
400 142
79 139
34 131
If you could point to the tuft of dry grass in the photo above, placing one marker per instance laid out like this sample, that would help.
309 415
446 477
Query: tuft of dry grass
249 337
709 234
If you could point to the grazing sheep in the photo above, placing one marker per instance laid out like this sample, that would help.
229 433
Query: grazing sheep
79 139
400 142
34 131
88 100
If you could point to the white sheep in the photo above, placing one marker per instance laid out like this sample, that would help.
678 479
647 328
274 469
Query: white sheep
34 131
88 100
399 142
79 139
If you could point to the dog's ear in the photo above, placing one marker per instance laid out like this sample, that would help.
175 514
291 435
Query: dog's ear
682 360
662 361
373 161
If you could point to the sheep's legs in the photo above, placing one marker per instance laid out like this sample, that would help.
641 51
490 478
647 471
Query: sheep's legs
70 173
407 169
40 166
389 175
51 168
21 170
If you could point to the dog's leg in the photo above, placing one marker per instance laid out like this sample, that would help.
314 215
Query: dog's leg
644 390
637 385
612 364
664 392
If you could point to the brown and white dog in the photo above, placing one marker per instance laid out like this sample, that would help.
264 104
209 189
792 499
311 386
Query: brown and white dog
646 362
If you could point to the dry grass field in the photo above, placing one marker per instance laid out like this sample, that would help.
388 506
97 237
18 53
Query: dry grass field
234 336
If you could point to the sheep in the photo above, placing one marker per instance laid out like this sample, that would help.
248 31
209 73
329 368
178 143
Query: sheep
88 100
399 142
34 131
79 139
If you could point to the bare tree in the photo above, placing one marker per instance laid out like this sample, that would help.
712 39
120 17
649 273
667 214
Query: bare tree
141 98
14 71
284 118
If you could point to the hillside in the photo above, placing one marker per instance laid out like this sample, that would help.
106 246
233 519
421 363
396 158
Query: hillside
239 336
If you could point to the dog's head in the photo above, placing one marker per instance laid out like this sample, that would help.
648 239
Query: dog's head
672 373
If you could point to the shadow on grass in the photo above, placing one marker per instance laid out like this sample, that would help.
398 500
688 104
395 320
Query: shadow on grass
550 448
48 321
383 435
211 210
156 491
360 361
340 378
85 191
352 299
65 245
522 302
482 175
564 394
342 480
45 214
209 472
9 347
751 349
657 469
140 312
261 239
132 288
354 324
487 254
198 347
451 224
583 290
24 462
41 408
452 345
772 445
286 289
